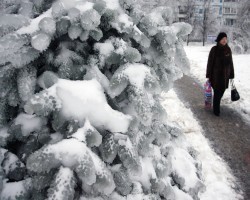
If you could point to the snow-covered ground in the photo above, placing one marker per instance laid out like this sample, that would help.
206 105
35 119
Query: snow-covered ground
216 174
198 56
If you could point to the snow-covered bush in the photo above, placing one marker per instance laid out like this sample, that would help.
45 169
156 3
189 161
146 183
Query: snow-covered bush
80 109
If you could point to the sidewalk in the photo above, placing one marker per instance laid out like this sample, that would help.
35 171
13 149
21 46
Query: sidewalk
229 134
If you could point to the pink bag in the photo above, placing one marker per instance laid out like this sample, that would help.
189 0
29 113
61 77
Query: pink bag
208 94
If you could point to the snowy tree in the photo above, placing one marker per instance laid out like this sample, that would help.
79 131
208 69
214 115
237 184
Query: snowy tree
80 112
241 32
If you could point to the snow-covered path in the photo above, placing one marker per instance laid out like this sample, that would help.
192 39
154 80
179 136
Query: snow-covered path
228 135
216 173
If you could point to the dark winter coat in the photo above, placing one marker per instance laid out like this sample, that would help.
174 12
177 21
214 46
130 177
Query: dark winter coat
220 66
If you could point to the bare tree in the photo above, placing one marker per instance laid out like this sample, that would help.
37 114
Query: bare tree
205 20
244 17
208 21
190 14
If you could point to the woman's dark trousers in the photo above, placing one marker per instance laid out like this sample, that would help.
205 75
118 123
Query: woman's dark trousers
218 94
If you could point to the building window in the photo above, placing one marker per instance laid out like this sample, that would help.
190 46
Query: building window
233 10
228 10
220 10
230 22
182 9
200 11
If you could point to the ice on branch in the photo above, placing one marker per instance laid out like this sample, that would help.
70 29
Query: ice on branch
138 76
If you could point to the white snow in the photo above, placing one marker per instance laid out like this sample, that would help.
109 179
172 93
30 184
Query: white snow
136 74
184 166
179 194
11 163
148 172
94 72
34 25
3 134
69 4
84 6
55 137
68 151
29 123
12 190
104 48
198 56
216 174
113 4
88 130
86 99
63 180
125 19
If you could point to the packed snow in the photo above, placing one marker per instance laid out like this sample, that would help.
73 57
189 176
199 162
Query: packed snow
198 56
216 174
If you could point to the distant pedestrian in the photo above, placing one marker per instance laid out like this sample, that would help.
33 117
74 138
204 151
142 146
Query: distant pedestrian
220 69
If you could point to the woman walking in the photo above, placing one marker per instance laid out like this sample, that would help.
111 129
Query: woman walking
219 69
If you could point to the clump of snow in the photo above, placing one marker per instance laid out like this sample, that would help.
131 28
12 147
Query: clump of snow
69 4
125 19
86 99
113 4
15 190
104 48
84 6
55 137
135 74
148 172
94 72
68 151
179 194
184 167
88 134
29 123
11 163
3 136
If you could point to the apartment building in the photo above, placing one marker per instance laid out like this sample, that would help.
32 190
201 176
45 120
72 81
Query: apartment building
216 8
230 8
224 10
